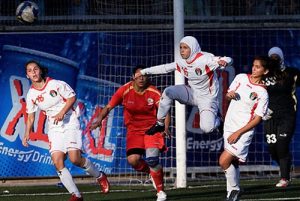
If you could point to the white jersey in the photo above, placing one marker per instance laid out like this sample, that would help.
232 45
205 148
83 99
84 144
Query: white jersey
200 73
51 99
252 100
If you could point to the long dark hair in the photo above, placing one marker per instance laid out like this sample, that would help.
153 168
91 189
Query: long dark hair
43 69
266 62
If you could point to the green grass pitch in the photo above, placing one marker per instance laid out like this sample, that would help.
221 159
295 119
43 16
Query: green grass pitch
253 190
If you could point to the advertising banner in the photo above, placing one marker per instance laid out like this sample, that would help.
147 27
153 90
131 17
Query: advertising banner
76 57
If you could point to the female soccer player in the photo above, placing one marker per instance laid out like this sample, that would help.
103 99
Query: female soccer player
57 99
280 127
248 104
202 89
140 100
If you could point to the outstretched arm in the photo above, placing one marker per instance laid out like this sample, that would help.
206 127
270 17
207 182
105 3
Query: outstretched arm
160 69
104 112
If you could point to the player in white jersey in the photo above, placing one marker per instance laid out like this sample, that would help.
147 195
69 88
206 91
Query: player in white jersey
56 98
202 89
248 104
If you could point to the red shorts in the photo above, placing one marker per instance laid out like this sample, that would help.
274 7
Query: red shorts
144 141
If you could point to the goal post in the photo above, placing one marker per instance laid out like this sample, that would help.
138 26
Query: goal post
180 117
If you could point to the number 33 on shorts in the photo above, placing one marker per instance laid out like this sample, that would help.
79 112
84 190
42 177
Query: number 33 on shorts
271 138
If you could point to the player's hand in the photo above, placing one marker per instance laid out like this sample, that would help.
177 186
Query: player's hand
232 95
167 134
96 124
25 140
137 75
268 115
233 138
58 117
222 63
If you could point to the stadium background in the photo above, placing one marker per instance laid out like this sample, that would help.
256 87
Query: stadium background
93 45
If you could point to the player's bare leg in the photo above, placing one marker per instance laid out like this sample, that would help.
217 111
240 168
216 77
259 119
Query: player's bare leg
228 164
65 176
156 171
89 167
136 161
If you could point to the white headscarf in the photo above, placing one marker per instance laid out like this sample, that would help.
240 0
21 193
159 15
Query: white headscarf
277 51
194 46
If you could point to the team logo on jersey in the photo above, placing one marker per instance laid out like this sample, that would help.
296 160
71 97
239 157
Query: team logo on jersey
253 96
198 71
53 93
150 101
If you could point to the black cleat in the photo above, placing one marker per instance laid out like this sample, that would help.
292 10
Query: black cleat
234 195
156 128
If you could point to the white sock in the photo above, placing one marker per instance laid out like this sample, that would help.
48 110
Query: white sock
232 179
67 180
91 169
228 188
160 123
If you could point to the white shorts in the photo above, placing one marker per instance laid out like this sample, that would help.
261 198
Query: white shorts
239 149
65 140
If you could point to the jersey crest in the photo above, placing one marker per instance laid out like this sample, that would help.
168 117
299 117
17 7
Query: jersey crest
53 93
253 96
198 71
150 101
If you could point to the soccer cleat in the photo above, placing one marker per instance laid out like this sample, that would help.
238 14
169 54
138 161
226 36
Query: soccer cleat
74 198
161 196
234 195
104 183
157 127
283 183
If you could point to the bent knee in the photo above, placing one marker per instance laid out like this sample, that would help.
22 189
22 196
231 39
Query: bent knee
152 161
207 128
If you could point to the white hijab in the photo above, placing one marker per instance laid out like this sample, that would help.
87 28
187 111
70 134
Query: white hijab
277 51
193 45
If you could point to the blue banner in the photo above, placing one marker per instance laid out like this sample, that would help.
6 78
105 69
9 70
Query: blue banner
81 59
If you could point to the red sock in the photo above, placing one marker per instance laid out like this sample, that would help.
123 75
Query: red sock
142 167
158 178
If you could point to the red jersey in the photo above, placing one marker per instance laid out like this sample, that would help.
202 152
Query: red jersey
139 108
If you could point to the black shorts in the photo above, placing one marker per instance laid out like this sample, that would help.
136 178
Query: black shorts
280 127
138 151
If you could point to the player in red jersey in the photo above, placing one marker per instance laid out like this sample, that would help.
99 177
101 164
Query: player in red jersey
57 99
140 100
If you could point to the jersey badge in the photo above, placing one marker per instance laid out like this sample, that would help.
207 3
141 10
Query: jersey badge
253 96
150 101
53 93
198 71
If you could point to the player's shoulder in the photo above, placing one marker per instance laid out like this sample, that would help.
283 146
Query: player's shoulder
242 76
292 70
153 89
125 88
207 54
55 81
